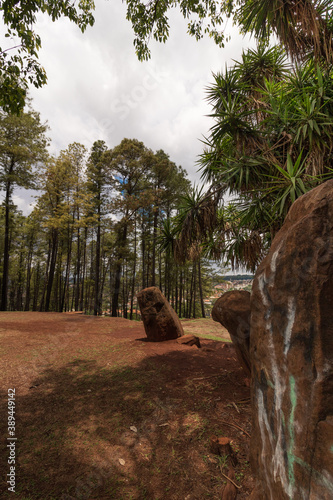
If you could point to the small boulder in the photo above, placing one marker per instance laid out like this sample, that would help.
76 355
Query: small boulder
189 340
159 319
233 311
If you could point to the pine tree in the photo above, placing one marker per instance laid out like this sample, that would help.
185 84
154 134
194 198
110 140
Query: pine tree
22 149
98 179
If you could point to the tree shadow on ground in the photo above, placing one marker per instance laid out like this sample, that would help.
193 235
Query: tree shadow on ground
87 431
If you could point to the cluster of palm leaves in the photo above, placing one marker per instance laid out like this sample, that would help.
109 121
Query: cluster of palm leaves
272 141
304 27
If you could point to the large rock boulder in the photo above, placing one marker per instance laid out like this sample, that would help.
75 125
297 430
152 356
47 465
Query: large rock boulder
232 310
292 356
159 319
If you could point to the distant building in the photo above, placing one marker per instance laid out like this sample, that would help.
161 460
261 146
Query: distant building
242 283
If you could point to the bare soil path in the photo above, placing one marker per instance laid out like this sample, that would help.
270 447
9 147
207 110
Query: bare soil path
103 414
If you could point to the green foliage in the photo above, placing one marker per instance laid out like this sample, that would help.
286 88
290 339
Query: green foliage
289 184
195 219
19 64
303 27
130 166
22 146
98 177
150 20
271 143
91 241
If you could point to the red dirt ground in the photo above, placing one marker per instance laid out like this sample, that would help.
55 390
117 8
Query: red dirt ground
103 414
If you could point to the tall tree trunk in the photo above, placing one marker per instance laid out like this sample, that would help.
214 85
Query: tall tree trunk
124 292
186 295
116 291
134 271
68 263
72 307
169 280
52 268
97 306
82 295
166 273
36 287
176 290
4 291
57 286
89 288
19 290
41 305
111 288
153 265
160 269
200 289
143 252
104 273
194 288
180 293
28 279
78 270
148 267
122 242
189 310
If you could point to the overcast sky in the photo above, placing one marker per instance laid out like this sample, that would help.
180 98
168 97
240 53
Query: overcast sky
97 89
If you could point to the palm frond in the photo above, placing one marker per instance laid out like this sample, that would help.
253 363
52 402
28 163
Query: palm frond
302 25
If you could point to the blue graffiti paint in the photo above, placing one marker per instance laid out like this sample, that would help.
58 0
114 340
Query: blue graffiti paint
291 456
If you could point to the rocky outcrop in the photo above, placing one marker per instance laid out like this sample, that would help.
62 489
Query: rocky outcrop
159 319
292 356
232 310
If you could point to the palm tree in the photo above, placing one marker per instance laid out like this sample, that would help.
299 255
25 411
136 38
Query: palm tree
271 142
195 220
304 27
181 237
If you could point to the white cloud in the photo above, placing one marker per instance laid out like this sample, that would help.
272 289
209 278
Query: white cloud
97 89
24 200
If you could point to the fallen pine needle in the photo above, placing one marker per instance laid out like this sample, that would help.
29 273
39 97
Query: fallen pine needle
236 426
244 401
211 376
238 487
235 406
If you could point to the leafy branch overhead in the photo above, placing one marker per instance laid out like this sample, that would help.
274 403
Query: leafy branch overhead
150 20
19 64
304 27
